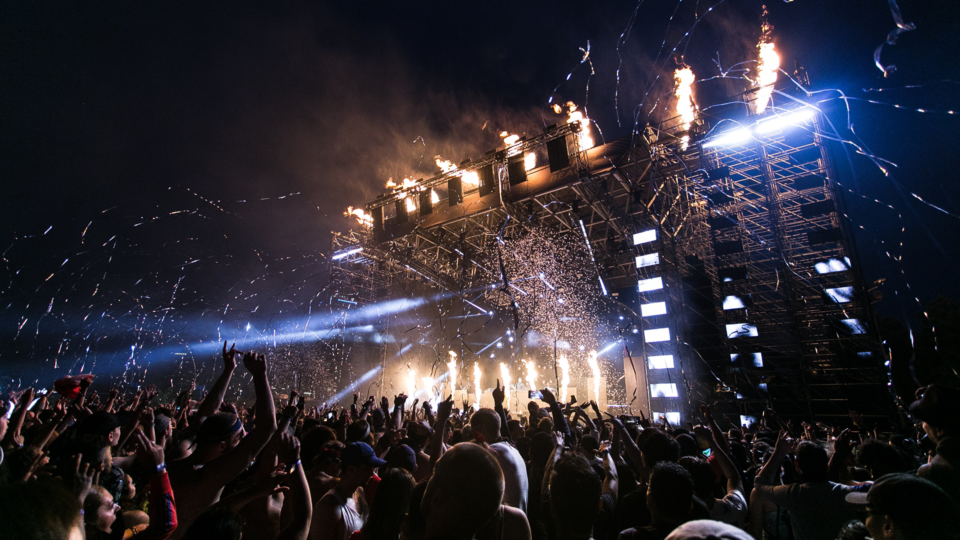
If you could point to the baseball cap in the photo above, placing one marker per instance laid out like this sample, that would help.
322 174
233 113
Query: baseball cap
358 431
402 457
938 405
704 529
360 453
906 499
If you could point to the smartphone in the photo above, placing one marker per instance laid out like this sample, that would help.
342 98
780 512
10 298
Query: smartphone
535 394
707 452
631 421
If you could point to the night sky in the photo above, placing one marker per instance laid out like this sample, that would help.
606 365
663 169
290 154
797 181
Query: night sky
115 114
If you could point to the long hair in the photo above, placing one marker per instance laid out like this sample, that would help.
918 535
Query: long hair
390 506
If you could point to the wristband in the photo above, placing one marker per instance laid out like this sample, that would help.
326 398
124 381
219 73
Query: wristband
161 468
293 467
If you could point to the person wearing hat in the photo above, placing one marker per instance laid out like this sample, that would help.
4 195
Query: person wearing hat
938 407
336 515
901 506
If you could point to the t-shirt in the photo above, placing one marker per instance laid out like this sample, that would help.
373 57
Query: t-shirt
817 509
731 509
515 479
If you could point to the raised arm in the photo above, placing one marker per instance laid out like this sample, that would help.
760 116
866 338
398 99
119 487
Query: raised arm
16 421
498 395
559 421
734 482
548 468
439 427
633 451
298 500
610 478
211 403
718 437
163 508
225 468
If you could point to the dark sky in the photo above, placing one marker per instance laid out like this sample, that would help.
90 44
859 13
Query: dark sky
146 109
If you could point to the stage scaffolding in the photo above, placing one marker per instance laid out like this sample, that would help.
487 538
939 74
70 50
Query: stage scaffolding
745 245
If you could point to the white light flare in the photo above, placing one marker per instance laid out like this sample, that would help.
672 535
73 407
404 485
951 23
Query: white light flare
476 381
452 369
685 106
470 178
564 377
584 140
595 369
507 381
529 161
531 377
411 381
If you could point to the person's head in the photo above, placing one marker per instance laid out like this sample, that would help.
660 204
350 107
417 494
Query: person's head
327 460
516 430
390 505
704 477
218 435
103 424
545 425
40 510
523 447
218 523
589 445
464 492
669 493
359 431
938 407
162 427
706 529
402 457
812 462
854 530
904 507
657 447
486 422
358 462
688 445
575 492
99 510
313 441
881 459
418 433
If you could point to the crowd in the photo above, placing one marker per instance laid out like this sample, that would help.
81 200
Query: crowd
85 466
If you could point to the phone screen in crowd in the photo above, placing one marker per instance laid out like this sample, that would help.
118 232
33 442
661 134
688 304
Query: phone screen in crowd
707 452
535 394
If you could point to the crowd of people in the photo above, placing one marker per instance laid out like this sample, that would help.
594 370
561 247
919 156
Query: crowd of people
86 466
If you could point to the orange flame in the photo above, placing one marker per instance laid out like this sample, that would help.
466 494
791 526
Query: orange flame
529 161
685 106
595 369
476 380
362 217
452 369
564 377
505 375
584 140
768 65
531 375
471 178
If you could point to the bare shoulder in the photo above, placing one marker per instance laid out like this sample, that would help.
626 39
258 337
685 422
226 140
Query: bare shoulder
515 524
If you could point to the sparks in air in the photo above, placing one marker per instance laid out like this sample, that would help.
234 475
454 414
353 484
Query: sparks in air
564 377
595 370
584 140
362 217
768 65
476 381
505 375
685 106
531 377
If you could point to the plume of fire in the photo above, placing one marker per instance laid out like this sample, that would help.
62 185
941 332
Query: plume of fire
471 178
509 139
476 380
768 64
411 206
362 217
595 369
406 184
564 377
452 370
529 161
434 198
531 377
685 106
507 381
584 140
411 381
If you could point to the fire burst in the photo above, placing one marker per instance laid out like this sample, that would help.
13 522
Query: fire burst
505 375
767 66
685 106
476 381
362 217
531 377
584 140
471 178
564 377
452 370
411 381
595 368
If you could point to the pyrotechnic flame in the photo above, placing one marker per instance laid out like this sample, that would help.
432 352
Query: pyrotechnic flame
584 140
470 178
362 217
406 184
529 161
411 381
434 198
452 370
505 375
685 106
509 140
411 206
476 380
564 377
768 65
595 368
531 377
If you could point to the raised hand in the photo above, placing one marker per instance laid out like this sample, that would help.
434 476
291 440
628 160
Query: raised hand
705 411
785 444
150 393
498 394
82 478
444 408
548 396
384 403
289 451
399 401
255 364
595 407
146 417
230 357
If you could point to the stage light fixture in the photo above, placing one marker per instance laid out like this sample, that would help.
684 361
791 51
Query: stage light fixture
652 284
346 253
664 361
653 309
768 125
645 236
648 260
741 330
656 335
663 390
732 302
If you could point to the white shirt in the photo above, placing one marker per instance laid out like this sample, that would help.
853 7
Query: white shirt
516 483
731 509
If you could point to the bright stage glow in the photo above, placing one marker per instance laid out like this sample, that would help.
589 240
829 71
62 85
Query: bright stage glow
608 348
507 381
781 121
663 390
672 417
660 362
747 420
841 295
648 260
653 309
355 385
832 265
741 330
729 138
656 335
346 253
732 302
564 377
854 326
755 359
652 284
595 371
645 236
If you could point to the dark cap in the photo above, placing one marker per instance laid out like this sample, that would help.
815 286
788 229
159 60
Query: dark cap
99 423
906 499
938 406
402 457
360 453
358 431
